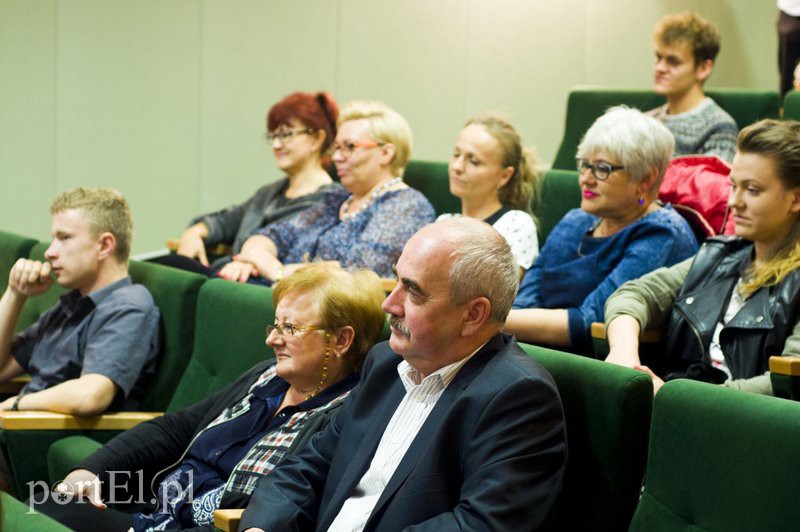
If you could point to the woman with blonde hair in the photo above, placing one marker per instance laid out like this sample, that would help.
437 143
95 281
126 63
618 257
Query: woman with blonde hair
496 179
364 223
736 302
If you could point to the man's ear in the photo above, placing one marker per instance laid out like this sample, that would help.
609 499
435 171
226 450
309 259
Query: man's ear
107 243
795 207
477 313
703 70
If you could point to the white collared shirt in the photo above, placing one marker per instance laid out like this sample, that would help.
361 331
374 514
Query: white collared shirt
421 396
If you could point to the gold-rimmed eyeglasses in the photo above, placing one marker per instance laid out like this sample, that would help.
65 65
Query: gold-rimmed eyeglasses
290 329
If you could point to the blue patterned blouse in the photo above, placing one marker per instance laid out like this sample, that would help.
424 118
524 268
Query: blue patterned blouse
373 238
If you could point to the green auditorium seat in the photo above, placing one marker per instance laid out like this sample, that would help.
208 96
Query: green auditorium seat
16 517
720 460
229 339
433 180
791 105
25 441
607 409
586 104
12 247
560 193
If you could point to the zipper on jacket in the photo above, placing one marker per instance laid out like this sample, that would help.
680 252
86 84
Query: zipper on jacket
699 338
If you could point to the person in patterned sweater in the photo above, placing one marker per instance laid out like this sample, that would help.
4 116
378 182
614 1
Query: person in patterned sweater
686 46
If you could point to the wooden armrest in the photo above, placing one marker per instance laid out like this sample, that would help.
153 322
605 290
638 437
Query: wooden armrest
36 420
228 520
388 284
650 336
789 366
13 386
219 249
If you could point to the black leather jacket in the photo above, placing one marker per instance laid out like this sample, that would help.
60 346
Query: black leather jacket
758 331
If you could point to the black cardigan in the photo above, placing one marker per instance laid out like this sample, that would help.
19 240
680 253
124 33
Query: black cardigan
158 444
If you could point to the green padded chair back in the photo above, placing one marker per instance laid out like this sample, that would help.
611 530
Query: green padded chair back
12 247
791 105
720 459
607 409
560 193
14 517
432 179
35 306
586 104
229 338
175 293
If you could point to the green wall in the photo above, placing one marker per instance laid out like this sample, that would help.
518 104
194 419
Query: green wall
165 100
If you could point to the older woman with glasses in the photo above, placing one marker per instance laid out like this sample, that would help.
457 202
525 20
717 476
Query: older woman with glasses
619 233
300 129
365 223
212 454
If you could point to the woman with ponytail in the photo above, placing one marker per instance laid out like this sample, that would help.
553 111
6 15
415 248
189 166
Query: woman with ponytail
496 179
300 129
736 302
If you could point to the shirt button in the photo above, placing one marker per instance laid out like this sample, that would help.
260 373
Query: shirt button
759 319
689 300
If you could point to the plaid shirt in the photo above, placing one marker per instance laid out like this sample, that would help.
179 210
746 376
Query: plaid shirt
268 452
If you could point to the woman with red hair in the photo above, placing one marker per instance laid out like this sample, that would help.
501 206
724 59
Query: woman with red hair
301 129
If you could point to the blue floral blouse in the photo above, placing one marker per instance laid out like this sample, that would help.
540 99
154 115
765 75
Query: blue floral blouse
373 238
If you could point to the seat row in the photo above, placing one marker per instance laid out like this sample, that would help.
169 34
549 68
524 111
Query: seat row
703 467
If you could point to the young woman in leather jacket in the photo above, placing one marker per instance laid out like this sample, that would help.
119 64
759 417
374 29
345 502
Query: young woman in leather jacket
734 304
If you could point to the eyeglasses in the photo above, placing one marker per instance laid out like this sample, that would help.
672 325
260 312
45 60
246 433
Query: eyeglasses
600 170
347 148
290 329
286 134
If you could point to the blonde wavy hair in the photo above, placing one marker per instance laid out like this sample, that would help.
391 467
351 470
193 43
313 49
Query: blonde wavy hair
779 141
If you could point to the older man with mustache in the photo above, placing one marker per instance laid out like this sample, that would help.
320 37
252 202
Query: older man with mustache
451 427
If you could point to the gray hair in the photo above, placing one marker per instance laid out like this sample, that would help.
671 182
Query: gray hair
639 142
483 265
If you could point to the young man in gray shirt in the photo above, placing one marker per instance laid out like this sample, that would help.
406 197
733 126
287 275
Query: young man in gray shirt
90 351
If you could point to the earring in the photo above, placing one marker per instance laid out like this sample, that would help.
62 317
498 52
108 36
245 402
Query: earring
641 201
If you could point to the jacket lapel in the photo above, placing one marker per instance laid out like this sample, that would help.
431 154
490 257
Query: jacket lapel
417 448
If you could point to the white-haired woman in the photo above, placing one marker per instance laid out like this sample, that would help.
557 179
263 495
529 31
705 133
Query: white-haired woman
619 233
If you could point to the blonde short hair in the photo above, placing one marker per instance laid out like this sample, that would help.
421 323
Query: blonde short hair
106 211
343 298
386 126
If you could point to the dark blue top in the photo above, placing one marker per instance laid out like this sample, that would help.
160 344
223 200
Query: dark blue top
192 491
577 272
113 331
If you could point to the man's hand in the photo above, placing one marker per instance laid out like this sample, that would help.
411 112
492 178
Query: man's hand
82 483
8 403
30 278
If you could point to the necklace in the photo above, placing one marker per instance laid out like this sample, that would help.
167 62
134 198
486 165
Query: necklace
347 215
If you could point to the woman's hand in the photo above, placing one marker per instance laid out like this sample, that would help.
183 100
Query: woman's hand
238 271
192 244
658 382
83 484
